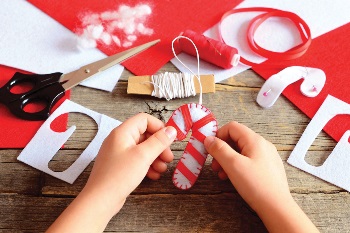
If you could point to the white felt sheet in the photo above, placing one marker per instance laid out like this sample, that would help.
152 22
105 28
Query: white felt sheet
275 34
46 142
31 40
336 167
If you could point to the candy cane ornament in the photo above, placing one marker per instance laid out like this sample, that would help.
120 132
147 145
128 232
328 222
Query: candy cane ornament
202 122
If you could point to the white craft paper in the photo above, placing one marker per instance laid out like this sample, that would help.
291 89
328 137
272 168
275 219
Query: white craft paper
314 80
46 142
31 40
276 34
336 168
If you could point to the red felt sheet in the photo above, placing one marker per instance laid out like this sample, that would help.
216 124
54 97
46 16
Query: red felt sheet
331 53
168 19
15 132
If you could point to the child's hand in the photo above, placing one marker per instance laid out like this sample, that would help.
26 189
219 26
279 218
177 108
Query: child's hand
138 147
256 170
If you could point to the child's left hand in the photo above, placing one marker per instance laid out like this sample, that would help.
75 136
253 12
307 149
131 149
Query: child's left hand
138 147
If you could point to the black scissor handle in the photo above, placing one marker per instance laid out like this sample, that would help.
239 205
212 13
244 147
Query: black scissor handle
46 88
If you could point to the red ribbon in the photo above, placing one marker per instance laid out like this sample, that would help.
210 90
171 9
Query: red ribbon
254 24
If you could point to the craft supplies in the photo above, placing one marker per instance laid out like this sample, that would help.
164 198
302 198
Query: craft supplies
120 26
52 43
301 25
49 88
329 53
168 19
202 122
210 50
46 142
149 85
336 167
313 81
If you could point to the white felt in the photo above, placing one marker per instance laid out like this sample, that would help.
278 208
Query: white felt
275 34
44 145
31 40
314 80
336 167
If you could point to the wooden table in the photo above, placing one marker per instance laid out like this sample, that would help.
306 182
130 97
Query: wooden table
31 200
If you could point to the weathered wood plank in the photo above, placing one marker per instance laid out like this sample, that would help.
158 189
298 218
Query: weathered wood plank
176 213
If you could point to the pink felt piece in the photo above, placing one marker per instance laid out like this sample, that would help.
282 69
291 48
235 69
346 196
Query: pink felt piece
329 52
15 132
168 19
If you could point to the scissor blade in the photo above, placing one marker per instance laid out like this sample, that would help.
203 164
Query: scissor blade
74 78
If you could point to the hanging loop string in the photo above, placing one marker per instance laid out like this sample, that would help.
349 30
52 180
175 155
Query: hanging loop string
293 53
197 76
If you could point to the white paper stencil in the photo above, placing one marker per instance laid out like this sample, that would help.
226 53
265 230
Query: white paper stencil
31 40
314 80
276 34
45 144
336 167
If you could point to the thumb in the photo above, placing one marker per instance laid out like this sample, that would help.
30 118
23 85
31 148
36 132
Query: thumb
221 152
157 143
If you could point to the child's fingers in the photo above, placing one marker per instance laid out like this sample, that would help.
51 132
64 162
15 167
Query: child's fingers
152 174
215 166
167 155
222 153
222 175
159 166
157 143
245 138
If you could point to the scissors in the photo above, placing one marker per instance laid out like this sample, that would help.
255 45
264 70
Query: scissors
49 88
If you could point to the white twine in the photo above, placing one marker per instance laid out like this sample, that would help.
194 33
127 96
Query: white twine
171 85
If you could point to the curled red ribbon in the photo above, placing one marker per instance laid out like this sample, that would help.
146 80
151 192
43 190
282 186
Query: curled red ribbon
254 24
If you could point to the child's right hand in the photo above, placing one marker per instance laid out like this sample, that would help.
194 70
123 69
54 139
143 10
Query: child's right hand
256 170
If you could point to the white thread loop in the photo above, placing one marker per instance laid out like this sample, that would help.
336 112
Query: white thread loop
198 76
170 85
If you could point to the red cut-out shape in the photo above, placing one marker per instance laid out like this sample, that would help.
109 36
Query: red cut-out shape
56 124
202 122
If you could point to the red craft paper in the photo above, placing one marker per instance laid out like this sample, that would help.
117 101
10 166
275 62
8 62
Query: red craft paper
168 19
15 132
331 53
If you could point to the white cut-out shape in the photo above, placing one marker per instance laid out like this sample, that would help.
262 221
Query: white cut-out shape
46 142
336 167
314 80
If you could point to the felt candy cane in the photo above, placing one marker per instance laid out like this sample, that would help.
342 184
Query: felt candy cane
201 121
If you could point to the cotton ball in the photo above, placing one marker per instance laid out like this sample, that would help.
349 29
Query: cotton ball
129 27
142 10
125 12
127 44
93 19
106 38
85 43
116 40
144 30
94 31
110 15
131 37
